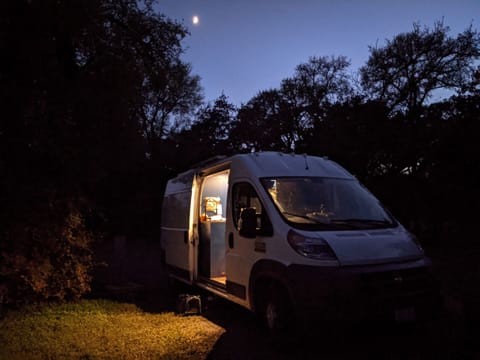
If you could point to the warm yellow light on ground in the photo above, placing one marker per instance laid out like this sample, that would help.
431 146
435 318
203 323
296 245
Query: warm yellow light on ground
122 331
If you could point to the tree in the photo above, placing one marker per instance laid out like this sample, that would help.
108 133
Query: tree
148 46
291 118
176 94
452 164
207 137
322 81
410 67
214 125
258 126
82 83
305 98
282 117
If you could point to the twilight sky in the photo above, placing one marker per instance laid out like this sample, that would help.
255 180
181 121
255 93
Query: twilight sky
240 47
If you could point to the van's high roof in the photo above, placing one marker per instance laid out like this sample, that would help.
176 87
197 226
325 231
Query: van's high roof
276 164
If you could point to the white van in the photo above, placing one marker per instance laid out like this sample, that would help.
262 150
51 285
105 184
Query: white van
292 237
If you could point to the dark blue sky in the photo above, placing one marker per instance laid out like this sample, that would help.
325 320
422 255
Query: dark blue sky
241 47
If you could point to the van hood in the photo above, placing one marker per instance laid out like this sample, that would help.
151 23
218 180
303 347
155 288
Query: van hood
372 246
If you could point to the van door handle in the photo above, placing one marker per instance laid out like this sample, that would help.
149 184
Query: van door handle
230 240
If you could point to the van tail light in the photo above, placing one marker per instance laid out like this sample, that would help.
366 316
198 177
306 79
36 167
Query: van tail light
311 247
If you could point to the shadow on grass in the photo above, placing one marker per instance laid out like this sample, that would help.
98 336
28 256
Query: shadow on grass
443 338
450 336
447 337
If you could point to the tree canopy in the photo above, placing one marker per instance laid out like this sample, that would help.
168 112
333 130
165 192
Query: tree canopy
410 67
86 87
295 107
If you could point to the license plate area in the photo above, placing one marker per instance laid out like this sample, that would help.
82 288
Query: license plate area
405 314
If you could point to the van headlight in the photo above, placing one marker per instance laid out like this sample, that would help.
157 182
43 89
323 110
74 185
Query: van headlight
417 242
312 247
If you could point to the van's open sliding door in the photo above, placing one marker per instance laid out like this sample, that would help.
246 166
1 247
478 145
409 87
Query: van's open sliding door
177 234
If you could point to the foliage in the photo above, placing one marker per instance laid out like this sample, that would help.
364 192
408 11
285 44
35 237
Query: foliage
122 331
359 135
320 82
46 257
86 89
452 164
260 113
410 67
214 123
299 103
208 135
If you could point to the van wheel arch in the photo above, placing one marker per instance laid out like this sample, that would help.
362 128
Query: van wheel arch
270 295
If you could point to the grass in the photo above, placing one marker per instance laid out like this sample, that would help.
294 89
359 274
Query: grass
101 329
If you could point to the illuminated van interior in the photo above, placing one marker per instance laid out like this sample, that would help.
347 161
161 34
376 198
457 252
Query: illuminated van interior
213 207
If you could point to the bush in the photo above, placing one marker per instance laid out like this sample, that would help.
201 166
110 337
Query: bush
47 257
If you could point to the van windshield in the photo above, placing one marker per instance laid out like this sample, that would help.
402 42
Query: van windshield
326 203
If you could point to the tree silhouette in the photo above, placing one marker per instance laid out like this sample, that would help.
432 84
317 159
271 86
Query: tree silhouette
83 86
322 81
358 134
452 165
316 84
258 126
410 67
281 117
209 136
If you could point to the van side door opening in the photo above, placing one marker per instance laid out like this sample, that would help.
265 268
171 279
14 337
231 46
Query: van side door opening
212 226
177 227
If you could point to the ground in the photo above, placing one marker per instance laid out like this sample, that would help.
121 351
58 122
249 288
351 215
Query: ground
444 338
451 336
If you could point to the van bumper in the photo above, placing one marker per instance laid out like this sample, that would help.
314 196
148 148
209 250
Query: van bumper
402 292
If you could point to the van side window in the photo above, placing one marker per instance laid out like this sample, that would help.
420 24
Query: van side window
244 197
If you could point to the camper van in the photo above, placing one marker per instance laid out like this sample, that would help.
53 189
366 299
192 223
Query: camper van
292 237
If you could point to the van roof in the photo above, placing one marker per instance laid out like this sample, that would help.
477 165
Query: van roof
275 164
261 164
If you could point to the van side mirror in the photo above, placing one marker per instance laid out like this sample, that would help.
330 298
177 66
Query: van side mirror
247 225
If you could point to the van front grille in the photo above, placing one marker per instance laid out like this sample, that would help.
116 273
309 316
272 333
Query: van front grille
396 284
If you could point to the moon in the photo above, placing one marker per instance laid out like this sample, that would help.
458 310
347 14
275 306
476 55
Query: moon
195 19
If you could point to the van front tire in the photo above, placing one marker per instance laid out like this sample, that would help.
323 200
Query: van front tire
275 309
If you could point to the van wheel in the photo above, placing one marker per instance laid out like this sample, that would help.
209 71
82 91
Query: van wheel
277 311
